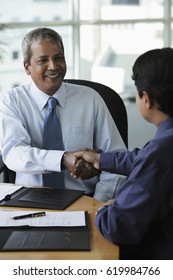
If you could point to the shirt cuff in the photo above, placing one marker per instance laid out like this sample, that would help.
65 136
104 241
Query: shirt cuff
107 161
52 161
101 208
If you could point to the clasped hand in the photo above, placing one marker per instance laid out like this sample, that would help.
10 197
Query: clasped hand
82 164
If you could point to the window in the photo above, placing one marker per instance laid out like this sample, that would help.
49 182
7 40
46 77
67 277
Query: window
100 44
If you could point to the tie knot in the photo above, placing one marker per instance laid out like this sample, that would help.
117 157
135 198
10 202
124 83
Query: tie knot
52 102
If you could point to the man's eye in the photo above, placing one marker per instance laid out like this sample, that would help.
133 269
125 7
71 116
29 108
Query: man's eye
41 61
59 58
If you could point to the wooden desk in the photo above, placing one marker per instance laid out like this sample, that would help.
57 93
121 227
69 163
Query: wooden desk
100 248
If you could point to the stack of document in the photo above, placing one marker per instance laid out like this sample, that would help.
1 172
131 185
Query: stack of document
55 231
49 231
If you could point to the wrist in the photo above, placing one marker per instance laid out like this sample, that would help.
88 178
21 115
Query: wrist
63 162
97 161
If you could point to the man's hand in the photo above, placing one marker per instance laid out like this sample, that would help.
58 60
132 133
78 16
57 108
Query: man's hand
109 202
84 170
87 162
89 156
78 167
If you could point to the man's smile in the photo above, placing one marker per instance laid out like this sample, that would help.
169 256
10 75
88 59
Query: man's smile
52 75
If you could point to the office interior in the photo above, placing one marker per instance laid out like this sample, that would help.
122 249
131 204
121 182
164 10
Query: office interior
102 39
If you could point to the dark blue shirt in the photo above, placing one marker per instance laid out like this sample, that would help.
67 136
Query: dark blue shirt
140 220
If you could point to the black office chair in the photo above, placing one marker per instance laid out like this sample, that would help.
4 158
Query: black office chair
115 105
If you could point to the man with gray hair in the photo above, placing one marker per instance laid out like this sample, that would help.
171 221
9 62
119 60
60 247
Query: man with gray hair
84 121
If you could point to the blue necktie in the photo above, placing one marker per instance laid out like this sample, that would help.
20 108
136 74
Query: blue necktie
52 140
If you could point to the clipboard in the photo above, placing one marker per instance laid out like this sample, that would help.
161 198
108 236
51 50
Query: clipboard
47 198
26 238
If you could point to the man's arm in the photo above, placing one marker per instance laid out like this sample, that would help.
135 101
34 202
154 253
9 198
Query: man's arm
21 141
115 162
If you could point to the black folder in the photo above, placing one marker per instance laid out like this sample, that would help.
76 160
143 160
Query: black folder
26 238
56 199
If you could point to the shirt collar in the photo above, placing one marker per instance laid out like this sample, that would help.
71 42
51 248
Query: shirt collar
41 97
165 125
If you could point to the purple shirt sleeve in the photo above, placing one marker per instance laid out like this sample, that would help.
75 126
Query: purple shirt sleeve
118 162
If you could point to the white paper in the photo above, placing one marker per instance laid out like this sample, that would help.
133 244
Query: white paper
65 218
8 189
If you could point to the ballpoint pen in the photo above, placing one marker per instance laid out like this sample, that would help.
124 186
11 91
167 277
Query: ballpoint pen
32 215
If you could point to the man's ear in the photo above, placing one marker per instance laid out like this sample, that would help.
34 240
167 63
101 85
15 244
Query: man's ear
26 66
148 100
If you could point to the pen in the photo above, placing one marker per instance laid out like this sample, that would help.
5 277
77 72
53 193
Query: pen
33 215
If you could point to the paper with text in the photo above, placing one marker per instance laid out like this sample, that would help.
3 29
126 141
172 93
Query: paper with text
63 219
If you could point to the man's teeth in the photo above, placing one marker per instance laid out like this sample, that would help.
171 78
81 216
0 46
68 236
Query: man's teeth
53 75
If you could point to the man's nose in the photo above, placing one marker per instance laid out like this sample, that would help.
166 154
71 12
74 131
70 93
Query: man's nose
51 64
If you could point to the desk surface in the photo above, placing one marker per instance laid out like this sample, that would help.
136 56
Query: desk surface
101 249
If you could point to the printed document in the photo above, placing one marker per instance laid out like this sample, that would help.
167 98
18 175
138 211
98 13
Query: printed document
59 218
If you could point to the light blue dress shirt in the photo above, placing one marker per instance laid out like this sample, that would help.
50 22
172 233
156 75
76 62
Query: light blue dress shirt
85 123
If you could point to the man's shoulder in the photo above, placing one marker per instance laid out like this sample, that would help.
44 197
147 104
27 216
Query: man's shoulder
18 90
82 90
16 93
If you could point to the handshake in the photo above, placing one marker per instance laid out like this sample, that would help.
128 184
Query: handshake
82 164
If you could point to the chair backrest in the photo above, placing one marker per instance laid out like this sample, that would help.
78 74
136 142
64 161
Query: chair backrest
115 105
8 175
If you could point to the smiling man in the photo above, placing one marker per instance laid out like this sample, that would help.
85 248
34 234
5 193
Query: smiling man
82 119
